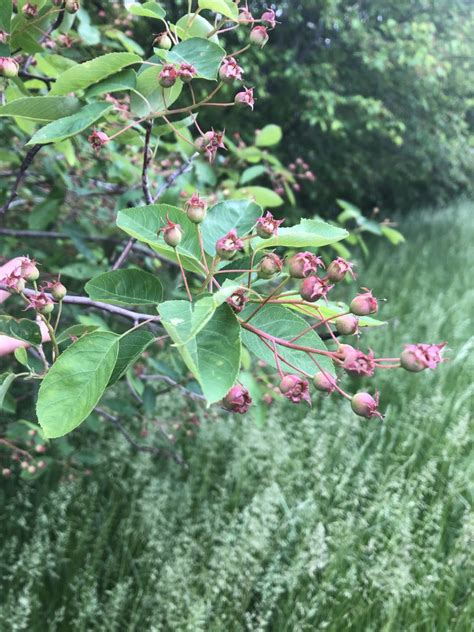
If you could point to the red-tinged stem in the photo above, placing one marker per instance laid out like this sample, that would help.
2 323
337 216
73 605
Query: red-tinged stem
285 361
239 52
328 327
316 325
388 366
201 247
332 379
127 127
226 271
285 343
265 301
276 355
184 276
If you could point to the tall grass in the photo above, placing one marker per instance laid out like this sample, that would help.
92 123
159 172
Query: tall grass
314 521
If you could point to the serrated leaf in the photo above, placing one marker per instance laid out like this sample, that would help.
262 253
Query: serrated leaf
144 222
75 331
268 136
125 287
75 383
70 125
41 108
204 55
147 9
86 74
222 217
282 323
131 346
309 233
213 356
225 7
22 329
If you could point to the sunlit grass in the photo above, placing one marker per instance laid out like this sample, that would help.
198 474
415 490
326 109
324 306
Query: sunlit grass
316 522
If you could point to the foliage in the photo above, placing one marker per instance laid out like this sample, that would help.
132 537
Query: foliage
238 295
304 522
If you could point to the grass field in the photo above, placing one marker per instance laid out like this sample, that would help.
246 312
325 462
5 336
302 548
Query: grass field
313 521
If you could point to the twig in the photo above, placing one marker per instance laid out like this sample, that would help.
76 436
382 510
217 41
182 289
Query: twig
27 160
140 447
82 300
174 384
170 180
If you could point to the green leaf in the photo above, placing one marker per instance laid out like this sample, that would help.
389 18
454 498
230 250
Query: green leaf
21 356
213 356
5 15
268 136
144 222
76 382
395 237
5 385
349 211
41 108
309 233
70 125
251 173
148 10
75 331
125 287
22 329
79 270
84 75
148 96
193 25
124 80
225 7
263 196
282 323
204 55
131 346
222 217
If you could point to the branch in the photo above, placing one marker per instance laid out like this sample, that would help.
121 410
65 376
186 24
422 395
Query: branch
170 180
82 300
27 160
140 447
174 384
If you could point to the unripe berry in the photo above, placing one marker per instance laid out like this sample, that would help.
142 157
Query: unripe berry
313 288
303 264
364 304
237 400
245 98
31 469
58 290
267 226
20 285
268 17
172 234
347 325
72 6
227 246
163 40
201 142
295 389
8 67
29 271
41 464
269 265
364 405
196 209
40 448
6 472
324 382
168 76
259 36
337 269
47 308
30 10
410 362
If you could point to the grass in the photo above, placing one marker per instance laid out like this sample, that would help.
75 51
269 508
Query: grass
310 522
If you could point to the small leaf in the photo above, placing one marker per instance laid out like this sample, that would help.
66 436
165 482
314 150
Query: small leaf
131 346
70 125
309 233
75 331
41 108
395 237
261 195
76 382
148 10
251 173
225 7
213 356
21 356
125 287
268 136
204 55
282 323
222 217
22 329
86 74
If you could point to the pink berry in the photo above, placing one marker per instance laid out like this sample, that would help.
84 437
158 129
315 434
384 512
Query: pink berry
365 405
269 265
364 304
324 382
295 389
8 67
237 400
259 36
347 325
